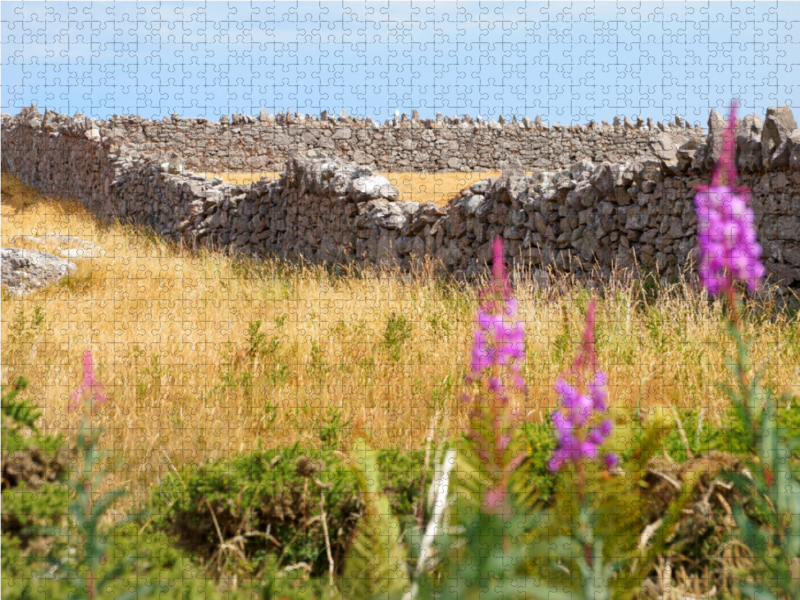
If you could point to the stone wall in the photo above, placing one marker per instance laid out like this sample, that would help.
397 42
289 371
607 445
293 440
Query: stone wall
443 145
326 209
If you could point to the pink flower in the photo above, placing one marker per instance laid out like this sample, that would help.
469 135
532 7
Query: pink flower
499 336
575 442
89 384
499 348
726 234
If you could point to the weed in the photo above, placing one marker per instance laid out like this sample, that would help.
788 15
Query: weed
396 334
333 430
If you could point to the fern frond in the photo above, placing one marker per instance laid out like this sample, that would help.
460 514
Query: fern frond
375 566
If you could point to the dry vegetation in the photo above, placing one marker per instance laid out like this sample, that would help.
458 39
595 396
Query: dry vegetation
438 188
190 378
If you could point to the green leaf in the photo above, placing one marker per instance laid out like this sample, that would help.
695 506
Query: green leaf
143 591
756 592
375 566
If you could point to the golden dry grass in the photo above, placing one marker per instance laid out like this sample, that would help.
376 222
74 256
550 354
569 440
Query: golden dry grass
438 188
169 332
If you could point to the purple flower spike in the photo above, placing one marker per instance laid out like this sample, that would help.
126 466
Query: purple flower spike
497 355
89 384
499 337
726 234
576 440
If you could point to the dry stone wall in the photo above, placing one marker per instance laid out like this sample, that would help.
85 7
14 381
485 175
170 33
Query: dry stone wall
440 145
329 210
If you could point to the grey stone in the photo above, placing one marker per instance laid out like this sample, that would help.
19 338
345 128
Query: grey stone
176 163
372 186
748 140
26 271
775 142
665 148
794 157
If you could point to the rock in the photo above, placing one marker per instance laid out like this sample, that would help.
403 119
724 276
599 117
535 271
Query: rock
717 124
639 122
686 153
25 271
262 116
748 140
650 124
679 121
372 186
538 121
479 187
176 163
224 119
775 142
323 116
501 119
617 122
68 246
665 148
582 169
603 179
415 115
794 157
629 124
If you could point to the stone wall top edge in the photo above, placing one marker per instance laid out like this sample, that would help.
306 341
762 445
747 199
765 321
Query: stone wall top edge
290 118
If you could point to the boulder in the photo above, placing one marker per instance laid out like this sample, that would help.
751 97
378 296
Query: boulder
25 271
775 137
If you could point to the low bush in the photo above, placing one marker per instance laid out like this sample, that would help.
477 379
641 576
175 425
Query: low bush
270 503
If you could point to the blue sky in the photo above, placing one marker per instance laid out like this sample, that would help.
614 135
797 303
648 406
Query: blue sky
568 61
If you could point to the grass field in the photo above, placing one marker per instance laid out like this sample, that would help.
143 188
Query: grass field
438 188
192 375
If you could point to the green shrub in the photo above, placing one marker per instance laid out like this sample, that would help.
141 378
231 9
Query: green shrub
269 501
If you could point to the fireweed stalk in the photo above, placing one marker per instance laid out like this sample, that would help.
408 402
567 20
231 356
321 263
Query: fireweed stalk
576 439
90 391
729 253
497 354
726 233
